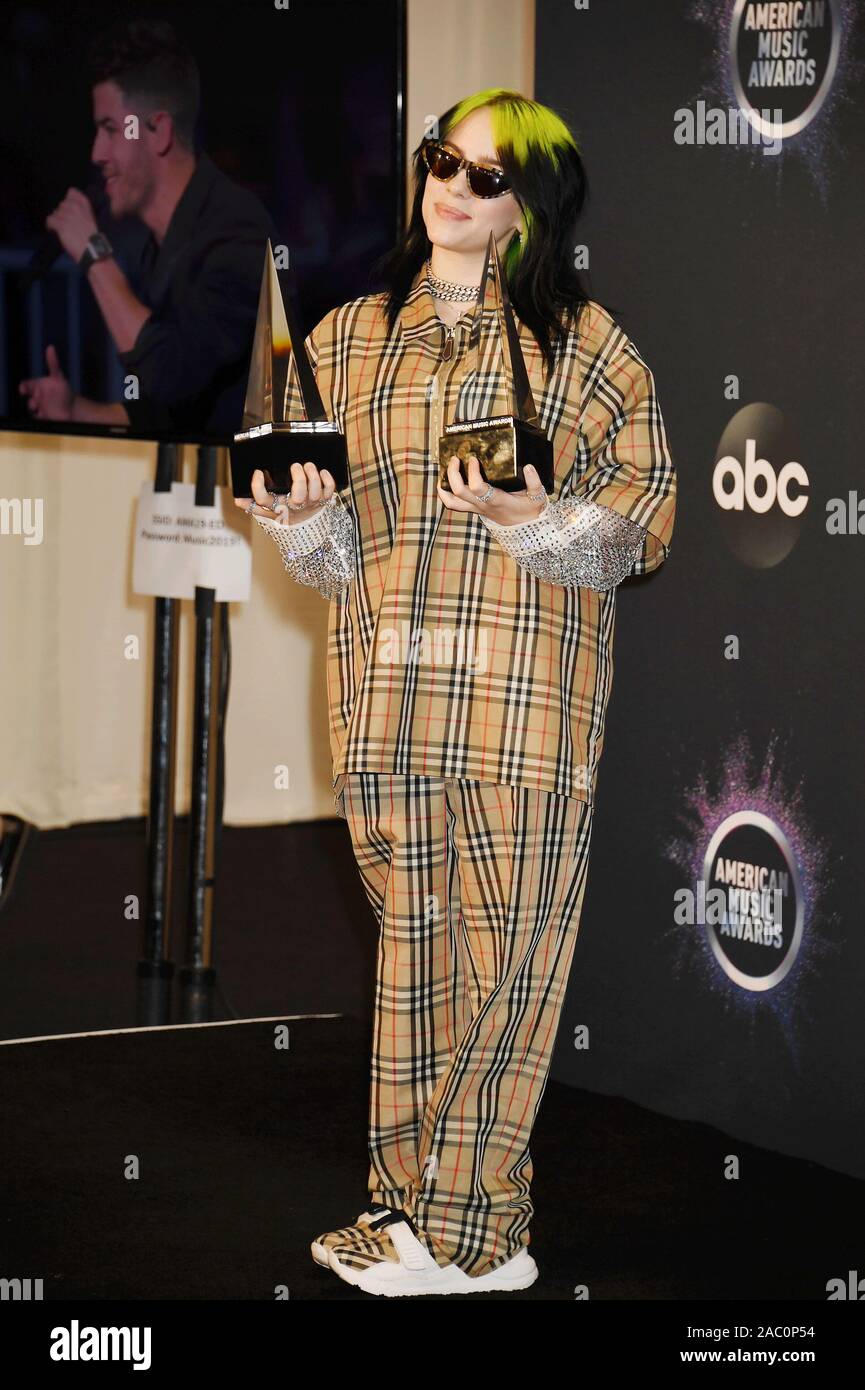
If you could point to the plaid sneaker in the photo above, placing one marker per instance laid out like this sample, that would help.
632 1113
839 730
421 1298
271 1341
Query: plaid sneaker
386 1257
346 1234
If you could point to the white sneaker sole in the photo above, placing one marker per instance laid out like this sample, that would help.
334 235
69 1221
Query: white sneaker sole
393 1280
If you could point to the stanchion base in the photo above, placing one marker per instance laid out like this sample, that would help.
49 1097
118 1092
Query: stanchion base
197 989
153 995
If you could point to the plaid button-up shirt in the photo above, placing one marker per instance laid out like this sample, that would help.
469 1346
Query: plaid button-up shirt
446 657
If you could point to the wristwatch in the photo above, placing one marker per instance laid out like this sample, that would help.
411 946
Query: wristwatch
98 248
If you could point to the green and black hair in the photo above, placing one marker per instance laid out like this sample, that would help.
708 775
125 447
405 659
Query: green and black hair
542 160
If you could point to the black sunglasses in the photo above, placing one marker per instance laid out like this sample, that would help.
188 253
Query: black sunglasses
444 163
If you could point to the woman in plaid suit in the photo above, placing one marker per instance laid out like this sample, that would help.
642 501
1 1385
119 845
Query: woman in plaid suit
469 669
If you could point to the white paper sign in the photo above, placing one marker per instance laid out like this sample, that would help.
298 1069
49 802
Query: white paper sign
179 545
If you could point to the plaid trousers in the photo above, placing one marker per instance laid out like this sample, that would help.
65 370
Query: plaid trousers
478 889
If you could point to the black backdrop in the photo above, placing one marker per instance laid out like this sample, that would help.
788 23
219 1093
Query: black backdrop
722 261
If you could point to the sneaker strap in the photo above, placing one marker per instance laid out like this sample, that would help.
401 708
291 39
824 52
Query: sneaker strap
401 1229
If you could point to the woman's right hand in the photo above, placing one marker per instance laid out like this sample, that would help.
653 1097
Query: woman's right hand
307 485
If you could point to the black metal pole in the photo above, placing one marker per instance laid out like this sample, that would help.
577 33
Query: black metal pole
198 976
155 969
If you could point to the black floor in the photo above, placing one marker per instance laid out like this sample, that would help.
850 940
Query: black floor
293 931
244 1153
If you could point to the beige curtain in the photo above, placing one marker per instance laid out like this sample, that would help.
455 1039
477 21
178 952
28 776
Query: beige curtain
74 692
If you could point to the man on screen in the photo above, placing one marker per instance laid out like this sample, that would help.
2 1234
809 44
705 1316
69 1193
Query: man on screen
183 321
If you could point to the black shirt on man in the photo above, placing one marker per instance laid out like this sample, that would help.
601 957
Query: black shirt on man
191 357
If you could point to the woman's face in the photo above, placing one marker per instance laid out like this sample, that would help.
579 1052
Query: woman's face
470 231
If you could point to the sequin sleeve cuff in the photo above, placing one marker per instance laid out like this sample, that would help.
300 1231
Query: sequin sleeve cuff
319 551
574 542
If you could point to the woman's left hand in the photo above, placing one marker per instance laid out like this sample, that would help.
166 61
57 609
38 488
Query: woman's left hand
505 508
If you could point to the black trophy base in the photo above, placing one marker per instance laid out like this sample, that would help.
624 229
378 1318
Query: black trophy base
274 448
503 446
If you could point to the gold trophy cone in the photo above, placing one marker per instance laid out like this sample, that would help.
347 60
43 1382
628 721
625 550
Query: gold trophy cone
503 444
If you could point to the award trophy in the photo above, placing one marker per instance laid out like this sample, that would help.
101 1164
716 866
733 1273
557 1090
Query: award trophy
280 369
502 444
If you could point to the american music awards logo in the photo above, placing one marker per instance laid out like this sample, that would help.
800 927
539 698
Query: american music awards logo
753 893
785 65
783 56
749 914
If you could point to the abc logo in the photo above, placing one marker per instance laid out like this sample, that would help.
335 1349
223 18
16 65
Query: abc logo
744 490
759 486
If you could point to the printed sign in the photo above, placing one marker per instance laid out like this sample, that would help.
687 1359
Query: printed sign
179 546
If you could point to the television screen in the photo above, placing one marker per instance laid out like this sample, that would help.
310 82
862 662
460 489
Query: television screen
148 154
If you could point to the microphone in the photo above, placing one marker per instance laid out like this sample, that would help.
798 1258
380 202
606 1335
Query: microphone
49 247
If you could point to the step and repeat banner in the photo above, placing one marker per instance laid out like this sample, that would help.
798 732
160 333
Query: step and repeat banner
720 967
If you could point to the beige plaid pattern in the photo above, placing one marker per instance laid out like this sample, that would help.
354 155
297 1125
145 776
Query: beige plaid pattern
477 889
358 1246
446 658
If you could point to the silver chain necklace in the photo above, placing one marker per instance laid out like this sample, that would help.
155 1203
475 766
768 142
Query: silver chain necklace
447 289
